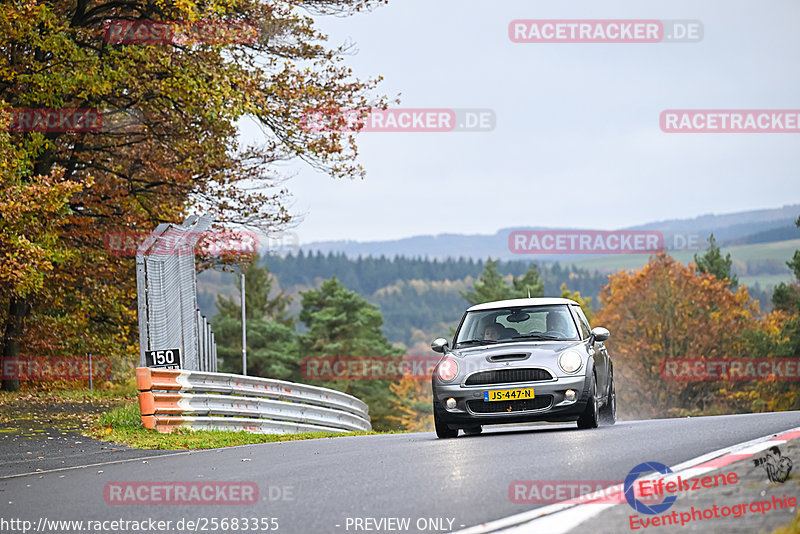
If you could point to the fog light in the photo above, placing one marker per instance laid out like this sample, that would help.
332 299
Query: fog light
570 394
451 404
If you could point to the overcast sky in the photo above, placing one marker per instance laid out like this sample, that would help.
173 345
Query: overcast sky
577 141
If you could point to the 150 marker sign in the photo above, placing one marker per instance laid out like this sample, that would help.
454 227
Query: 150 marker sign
165 359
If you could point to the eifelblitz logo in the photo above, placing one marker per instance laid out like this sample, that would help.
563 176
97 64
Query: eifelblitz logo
777 467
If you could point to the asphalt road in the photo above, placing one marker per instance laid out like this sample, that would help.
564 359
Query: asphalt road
42 435
49 449
315 486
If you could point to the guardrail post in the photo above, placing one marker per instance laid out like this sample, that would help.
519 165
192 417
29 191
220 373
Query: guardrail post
244 330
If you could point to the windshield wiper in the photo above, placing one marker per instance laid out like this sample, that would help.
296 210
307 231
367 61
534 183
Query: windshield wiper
537 336
471 341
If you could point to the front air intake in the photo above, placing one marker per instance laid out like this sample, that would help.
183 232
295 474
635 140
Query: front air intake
508 376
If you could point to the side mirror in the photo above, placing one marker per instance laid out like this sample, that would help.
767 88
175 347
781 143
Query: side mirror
439 345
600 334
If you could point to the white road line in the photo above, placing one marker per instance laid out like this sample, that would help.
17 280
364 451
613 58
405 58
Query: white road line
98 464
193 451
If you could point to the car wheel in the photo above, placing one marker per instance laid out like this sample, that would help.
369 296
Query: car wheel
473 430
588 418
608 413
442 430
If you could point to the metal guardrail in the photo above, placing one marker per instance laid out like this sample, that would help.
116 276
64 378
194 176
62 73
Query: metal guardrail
170 399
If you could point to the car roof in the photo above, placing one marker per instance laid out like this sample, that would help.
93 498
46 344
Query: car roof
513 303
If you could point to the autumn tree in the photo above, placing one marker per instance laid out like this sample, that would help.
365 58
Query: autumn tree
167 145
584 302
341 323
262 300
712 262
32 212
786 297
271 339
775 336
489 287
529 284
492 286
271 348
411 405
667 310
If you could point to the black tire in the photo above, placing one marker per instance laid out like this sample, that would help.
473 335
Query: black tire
442 430
608 413
473 430
590 415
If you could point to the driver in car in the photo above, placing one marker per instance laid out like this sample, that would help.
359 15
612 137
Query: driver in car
491 332
556 323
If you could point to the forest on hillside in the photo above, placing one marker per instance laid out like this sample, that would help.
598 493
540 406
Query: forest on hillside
703 302
418 297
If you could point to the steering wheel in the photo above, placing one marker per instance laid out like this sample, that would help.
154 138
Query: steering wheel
556 333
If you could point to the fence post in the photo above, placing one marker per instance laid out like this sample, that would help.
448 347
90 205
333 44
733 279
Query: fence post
244 331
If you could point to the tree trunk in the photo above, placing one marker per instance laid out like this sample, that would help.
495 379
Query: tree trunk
17 310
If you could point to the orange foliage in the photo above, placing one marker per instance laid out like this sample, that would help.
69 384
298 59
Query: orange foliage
666 310
412 403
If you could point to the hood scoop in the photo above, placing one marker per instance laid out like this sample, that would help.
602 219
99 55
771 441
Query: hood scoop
508 357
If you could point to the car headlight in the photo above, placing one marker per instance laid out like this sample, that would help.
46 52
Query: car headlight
570 362
447 370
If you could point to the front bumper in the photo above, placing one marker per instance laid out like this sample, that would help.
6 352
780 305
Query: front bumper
550 403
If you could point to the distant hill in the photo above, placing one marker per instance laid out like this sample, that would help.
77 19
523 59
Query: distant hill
756 226
421 299
773 235
418 290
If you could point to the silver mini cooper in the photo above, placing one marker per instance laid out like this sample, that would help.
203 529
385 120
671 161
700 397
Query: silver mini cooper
523 360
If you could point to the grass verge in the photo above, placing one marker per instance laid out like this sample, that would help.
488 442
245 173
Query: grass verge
791 528
122 425
40 406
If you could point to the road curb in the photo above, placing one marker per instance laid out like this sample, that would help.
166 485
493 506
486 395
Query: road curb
564 516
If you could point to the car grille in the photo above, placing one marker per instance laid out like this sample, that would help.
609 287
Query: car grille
522 405
507 376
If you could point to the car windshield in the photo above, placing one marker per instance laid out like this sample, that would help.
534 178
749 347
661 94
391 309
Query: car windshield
526 323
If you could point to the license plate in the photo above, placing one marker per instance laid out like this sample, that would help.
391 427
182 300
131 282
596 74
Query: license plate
508 394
